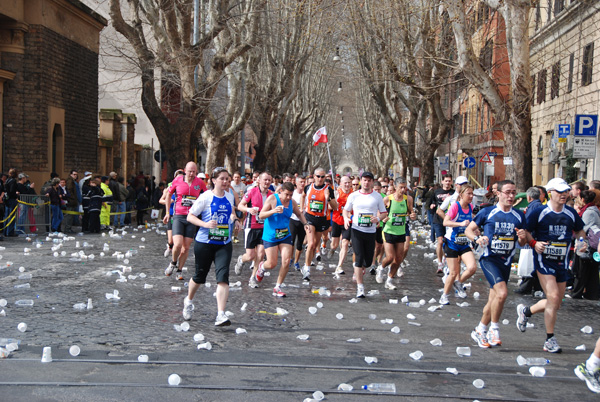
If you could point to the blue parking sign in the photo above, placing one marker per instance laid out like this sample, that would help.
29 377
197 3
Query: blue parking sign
586 125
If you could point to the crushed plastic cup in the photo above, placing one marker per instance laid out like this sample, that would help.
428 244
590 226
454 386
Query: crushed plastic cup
422 302
395 330
175 289
74 350
354 340
463 351
240 331
416 324
11 347
478 383
148 286
312 310
404 341
371 359
244 306
177 327
143 358
345 387
452 370
580 347
416 355
505 322
404 299
339 316
318 396
537 371
411 316
320 305
434 308
198 337
47 354
476 295
353 300
205 346
372 317
436 342
174 380
279 310
303 337
3 302
393 301
587 329
22 327
185 326
80 306
432 301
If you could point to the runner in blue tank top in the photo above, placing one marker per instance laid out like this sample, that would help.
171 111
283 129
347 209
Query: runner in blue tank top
551 231
276 212
502 227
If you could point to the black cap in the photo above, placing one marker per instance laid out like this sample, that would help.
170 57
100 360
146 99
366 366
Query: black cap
367 174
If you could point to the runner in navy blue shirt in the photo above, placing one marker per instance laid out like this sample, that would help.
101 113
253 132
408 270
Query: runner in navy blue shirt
551 231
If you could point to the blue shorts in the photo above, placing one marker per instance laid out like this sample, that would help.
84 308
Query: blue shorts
288 240
562 275
438 230
494 272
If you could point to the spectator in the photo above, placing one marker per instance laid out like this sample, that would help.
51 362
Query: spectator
130 200
10 201
120 202
142 202
95 195
106 201
24 188
585 269
55 205
73 200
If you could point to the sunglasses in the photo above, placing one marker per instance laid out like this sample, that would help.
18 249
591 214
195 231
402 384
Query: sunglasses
384 186
320 177
355 185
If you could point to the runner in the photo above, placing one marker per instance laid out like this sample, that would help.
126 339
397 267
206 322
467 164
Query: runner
459 215
552 230
319 196
375 265
163 201
590 370
502 226
276 237
338 230
296 227
399 206
438 225
252 203
188 188
363 211
213 212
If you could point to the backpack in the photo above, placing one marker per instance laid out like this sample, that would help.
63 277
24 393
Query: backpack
593 236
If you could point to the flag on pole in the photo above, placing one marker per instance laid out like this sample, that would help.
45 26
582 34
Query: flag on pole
320 136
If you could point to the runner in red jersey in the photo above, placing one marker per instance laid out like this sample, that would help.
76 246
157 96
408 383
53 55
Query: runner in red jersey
338 231
188 188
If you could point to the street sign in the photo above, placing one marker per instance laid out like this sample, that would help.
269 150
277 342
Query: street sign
584 137
486 158
491 153
564 130
469 162
508 160
444 163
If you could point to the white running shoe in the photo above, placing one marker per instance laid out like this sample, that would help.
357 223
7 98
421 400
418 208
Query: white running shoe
444 299
252 283
460 290
305 273
360 292
169 270
239 265
167 251
389 284
339 270
222 320
330 253
380 275
188 307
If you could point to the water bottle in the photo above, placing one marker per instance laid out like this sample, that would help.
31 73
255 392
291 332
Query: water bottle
578 246
381 387
532 361
413 304
214 217
24 302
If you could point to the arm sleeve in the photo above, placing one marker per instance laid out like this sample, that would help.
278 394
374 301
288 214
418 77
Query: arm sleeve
452 211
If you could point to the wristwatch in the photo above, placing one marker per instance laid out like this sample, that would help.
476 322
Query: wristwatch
476 238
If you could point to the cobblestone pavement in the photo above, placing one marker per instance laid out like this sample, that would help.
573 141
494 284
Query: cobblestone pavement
268 362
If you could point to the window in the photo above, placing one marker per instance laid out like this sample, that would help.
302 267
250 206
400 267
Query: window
541 87
549 10
559 5
588 64
533 90
485 56
538 16
555 84
571 65
466 124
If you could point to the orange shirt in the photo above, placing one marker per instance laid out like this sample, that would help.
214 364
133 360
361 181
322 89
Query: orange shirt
342 198
316 202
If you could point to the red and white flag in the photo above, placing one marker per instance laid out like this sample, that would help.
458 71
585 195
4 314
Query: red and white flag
320 136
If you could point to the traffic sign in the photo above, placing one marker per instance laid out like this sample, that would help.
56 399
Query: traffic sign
586 125
469 162
486 158
564 130
584 141
492 153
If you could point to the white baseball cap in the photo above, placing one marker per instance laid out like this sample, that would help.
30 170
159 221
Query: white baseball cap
461 180
557 184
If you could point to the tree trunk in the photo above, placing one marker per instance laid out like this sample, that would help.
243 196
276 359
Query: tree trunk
215 153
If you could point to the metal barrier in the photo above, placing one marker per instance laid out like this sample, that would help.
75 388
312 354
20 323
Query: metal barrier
33 214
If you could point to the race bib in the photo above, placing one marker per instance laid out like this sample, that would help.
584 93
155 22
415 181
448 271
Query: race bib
461 239
502 245
364 220
315 206
187 201
220 233
555 251
398 219
281 233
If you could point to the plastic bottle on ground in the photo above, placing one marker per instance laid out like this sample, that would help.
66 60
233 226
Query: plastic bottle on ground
532 361
381 387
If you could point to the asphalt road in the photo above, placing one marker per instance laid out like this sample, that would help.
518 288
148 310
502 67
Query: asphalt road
268 362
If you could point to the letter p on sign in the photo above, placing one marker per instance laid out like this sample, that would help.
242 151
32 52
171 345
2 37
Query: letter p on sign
586 125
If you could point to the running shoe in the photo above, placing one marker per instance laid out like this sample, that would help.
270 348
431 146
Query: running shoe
480 338
444 299
324 250
380 275
167 251
360 293
260 272
493 337
592 379
400 272
297 266
318 257
389 284
252 283
172 267
521 318
222 320
339 270
239 265
277 292
188 307
330 253
373 270
440 268
551 346
460 290
305 273
179 275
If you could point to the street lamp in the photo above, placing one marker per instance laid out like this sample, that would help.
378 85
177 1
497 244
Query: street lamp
337 54
340 87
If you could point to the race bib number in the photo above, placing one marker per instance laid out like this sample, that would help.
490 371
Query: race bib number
461 239
502 245
220 233
316 206
398 219
364 220
555 251
281 233
187 201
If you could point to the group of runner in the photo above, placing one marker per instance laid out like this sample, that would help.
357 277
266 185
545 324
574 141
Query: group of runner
278 218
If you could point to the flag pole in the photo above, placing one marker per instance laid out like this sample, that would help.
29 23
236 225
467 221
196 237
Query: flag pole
331 165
